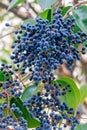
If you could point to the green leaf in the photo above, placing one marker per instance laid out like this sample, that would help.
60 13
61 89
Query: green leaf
6 51
83 93
47 14
80 14
2 100
14 3
65 9
71 98
2 77
3 60
32 122
45 3
29 92
81 127
31 21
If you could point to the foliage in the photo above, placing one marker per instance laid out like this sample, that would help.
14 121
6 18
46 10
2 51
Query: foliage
29 92
25 113
81 127
14 3
80 16
74 95
83 93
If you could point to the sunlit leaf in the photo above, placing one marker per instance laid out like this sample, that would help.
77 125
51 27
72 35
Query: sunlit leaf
46 15
71 98
14 3
81 127
83 93
32 122
80 14
29 92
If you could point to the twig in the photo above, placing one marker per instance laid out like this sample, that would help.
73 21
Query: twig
74 2
27 7
75 6
6 34
8 97
29 83
27 75
13 115
83 118
8 103
35 11
59 3
18 77
1 82
15 11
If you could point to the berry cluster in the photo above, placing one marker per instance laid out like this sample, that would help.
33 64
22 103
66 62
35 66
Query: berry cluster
39 49
10 87
46 106
9 121
11 84
42 47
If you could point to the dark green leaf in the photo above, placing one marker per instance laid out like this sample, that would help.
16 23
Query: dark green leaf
14 3
31 21
71 98
47 14
83 93
65 9
80 14
32 122
29 92
76 29
81 127
45 3
2 77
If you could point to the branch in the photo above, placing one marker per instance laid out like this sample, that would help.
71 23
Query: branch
35 11
26 5
6 35
74 7
15 11
74 2
29 6
59 4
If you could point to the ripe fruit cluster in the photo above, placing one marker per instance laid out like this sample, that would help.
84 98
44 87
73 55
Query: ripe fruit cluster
9 85
46 106
43 46
39 49
8 121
